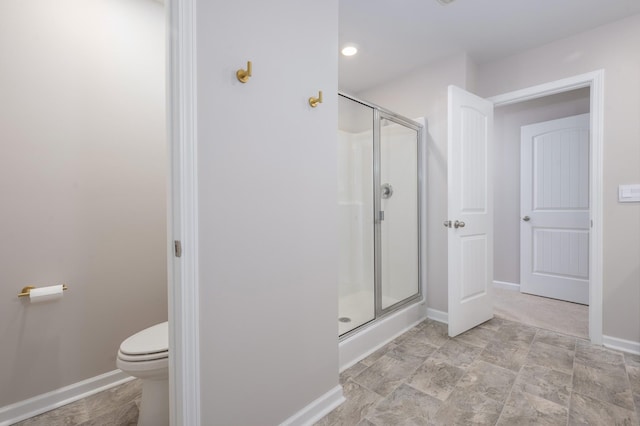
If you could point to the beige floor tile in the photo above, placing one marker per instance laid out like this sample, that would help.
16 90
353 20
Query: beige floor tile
525 409
125 415
436 378
352 371
435 333
487 379
516 334
632 360
634 378
589 354
378 354
464 408
120 396
549 356
505 354
359 401
388 372
494 323
457 353
477 336
606 384
405 406
417 346
68 415
556 339
584 410
544 382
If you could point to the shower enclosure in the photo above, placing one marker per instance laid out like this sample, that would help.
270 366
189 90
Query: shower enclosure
380 186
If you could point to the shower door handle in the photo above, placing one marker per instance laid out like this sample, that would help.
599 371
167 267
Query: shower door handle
386 191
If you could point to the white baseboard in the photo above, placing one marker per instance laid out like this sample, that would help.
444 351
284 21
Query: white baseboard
31 407
439 316
621 344
506 285
317 409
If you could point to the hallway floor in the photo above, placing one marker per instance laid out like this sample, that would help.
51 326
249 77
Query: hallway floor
542 312
499 373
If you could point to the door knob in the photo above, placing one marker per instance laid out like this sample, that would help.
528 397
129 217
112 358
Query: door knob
458 224
447 224
526 218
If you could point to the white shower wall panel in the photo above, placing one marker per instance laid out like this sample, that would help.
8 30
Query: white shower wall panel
355 204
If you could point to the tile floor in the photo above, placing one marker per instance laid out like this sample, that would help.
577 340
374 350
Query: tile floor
499 373
114 407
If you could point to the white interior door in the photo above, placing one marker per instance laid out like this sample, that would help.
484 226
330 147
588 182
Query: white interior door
554 230
470 219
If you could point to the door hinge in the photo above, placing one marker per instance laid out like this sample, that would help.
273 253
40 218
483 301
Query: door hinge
177 248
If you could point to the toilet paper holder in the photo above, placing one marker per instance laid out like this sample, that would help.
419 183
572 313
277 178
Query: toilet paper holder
27 290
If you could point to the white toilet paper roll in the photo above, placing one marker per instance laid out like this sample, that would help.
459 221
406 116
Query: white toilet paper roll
44 294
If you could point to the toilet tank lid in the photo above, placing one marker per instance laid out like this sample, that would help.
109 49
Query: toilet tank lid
150 340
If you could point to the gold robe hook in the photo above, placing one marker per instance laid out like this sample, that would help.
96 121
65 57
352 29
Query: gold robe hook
315 101
243 75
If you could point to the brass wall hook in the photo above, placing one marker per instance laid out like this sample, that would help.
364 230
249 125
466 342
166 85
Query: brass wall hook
243 75
315 101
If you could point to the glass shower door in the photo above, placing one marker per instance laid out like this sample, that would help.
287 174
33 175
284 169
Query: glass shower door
398 205
379 203
355 209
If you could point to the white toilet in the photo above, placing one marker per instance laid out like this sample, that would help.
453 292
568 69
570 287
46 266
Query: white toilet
145 355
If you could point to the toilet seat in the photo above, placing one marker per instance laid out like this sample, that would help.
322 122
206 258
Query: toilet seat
143 357
150 343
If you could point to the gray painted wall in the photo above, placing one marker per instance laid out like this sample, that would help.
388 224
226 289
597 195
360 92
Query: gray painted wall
268 228
83 184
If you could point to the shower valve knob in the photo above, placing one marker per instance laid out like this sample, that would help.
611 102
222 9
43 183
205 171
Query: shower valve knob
386 191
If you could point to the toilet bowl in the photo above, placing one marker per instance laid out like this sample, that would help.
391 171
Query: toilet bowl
145 355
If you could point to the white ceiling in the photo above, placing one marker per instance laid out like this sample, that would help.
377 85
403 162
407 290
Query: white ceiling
397 36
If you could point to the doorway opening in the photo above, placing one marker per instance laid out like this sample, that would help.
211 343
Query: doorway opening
541 220
594 82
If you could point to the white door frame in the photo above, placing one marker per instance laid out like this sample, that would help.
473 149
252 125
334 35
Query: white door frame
595 81
183 299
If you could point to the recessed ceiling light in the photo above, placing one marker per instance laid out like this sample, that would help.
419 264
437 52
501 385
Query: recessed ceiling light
445 2
349 50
